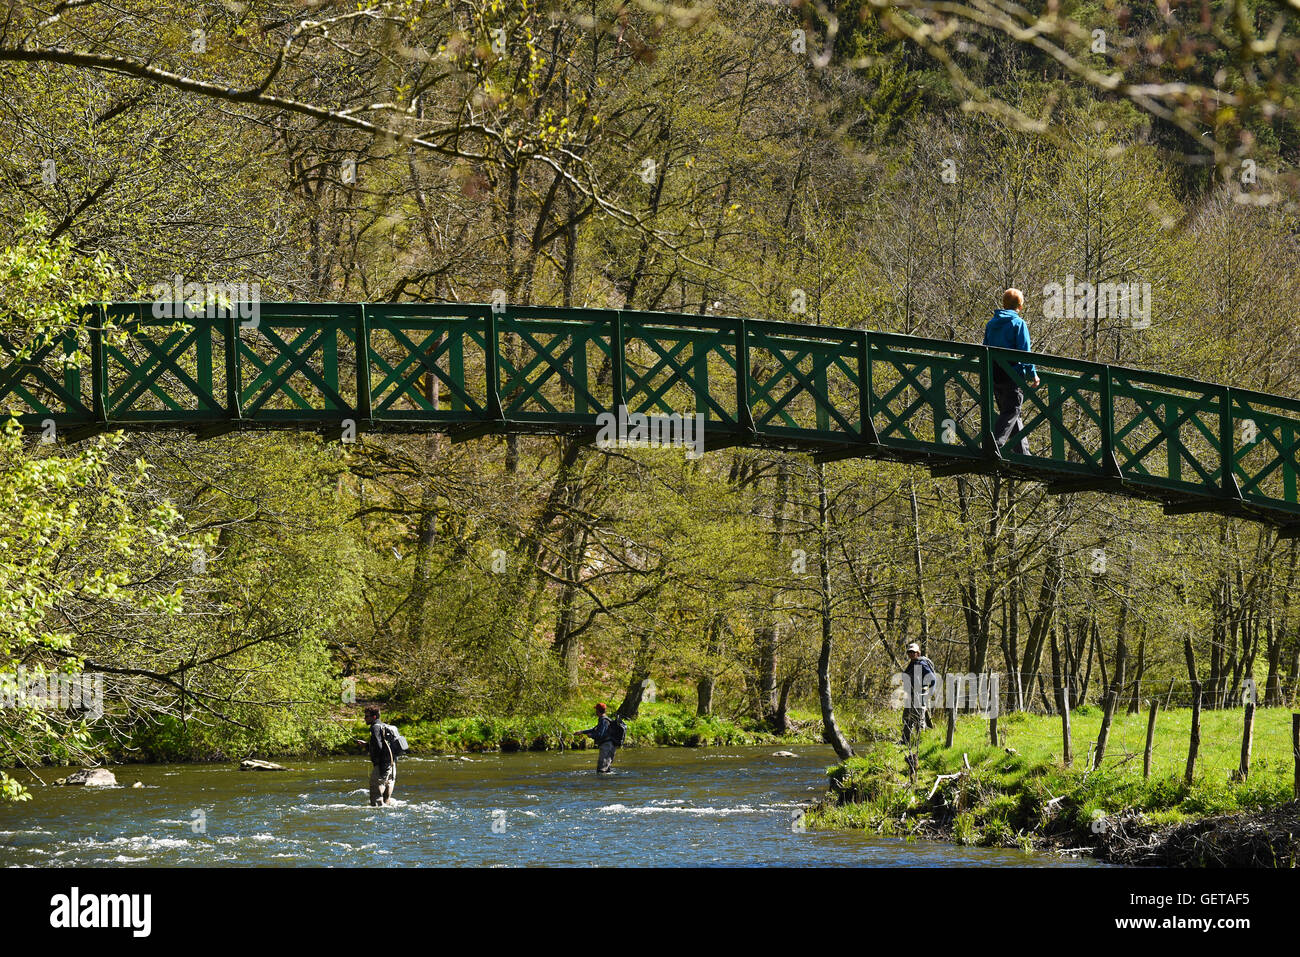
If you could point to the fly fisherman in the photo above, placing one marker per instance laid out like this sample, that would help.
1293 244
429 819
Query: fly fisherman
601 734
383 763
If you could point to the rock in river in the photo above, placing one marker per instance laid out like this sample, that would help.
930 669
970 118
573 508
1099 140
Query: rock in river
252 764
91 777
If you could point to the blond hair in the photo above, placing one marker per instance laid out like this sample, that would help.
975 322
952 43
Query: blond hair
1013 299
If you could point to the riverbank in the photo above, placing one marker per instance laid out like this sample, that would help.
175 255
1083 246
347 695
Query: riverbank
1020 793
657 725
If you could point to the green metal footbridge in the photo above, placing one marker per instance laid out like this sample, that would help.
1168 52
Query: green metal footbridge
474 369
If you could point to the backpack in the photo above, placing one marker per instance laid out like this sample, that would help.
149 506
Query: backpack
396 742
616 732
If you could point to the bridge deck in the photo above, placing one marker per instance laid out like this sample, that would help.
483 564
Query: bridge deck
467 369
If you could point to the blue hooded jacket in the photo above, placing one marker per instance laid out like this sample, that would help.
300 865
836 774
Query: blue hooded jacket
918 687
601 731
1006 330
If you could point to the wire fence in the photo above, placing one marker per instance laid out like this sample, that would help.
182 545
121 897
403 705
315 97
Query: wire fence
977 691
1120 727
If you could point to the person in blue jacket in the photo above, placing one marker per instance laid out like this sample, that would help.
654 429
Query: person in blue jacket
1006 330
919 680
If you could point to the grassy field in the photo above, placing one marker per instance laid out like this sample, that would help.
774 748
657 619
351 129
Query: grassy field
1027 796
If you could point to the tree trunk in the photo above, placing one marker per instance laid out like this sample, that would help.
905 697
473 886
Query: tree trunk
830 729
1134 704
704 696
1276 635
765 706
566 638
1042 621
1194 741
769 634
636 685
1087 671
1103 735
916 564
780 722
1015 667
1060 687
1119 676
707 681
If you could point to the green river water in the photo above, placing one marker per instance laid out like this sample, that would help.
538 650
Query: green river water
662 807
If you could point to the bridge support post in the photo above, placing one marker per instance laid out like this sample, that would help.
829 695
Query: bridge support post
744 417
986 406
364 411
1227 443
1108 461
491 359
98 385
866 428
233 385
619 372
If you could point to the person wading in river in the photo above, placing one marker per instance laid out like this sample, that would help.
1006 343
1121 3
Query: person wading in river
1006 330
601 735
919 680
383 763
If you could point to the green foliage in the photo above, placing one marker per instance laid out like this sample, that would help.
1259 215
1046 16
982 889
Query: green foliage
659 725
44 287
232 584
77 528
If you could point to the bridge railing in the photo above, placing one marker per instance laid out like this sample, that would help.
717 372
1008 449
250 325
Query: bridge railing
468 368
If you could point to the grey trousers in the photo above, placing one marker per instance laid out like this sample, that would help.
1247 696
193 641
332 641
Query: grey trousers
1009 400
381 784
606 760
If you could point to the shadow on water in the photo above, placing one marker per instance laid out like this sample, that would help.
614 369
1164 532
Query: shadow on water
662 807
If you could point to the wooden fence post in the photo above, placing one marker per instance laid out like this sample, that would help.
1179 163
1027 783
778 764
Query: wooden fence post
993 731
1247 733
952 725
1295 750
1067 752
1194 743
1151 733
